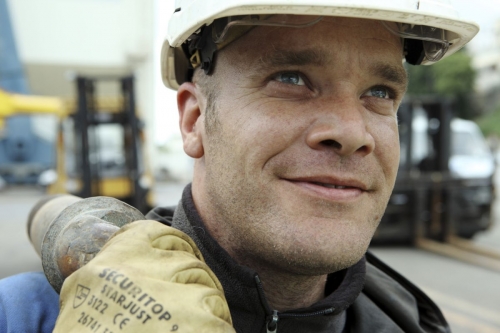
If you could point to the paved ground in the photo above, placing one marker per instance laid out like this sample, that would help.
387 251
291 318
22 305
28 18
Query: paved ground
468 295
16 252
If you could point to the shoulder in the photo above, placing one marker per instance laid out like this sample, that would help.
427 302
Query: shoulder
27 304
390 300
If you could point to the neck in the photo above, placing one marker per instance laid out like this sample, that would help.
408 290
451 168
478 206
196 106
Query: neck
285 292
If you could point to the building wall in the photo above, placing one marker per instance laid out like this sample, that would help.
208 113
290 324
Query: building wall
58 39
91 32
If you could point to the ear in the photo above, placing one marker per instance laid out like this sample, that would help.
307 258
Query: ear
189 103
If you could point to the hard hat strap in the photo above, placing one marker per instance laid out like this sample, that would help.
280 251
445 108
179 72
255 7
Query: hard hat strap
202 49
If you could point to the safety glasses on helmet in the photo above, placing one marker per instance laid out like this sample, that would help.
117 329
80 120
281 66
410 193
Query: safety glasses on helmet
434 39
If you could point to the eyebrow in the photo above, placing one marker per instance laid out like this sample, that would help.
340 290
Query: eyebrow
392 73
284 58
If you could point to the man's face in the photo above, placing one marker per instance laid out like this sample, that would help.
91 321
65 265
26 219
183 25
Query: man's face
301 152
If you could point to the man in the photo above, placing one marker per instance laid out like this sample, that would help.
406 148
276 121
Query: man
292 122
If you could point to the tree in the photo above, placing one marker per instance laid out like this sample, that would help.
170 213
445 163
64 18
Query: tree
450 77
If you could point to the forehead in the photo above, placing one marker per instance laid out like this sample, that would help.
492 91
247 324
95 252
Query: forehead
332 39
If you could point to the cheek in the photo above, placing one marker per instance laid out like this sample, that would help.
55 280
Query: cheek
261 130
386 137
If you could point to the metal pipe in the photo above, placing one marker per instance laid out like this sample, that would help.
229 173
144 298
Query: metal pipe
68 231
42 215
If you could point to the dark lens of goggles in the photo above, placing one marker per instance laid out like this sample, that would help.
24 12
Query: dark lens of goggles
433 39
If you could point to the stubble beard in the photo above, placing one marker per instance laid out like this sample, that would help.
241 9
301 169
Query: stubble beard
255 231
243 222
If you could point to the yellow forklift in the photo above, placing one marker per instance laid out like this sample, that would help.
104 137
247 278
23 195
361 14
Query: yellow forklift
100 141
100 146
14 104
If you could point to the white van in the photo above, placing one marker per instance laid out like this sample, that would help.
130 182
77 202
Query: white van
470 154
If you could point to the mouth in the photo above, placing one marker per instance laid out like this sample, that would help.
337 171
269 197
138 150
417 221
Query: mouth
331 182
330 188
340 187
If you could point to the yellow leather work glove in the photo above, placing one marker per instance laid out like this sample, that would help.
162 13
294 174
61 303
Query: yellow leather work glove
147 278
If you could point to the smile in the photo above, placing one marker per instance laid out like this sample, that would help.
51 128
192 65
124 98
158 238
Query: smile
331 185
334 190
331 182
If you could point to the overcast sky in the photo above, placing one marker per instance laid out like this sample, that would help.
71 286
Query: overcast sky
484 12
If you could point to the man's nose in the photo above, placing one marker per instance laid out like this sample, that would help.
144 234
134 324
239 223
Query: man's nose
342 127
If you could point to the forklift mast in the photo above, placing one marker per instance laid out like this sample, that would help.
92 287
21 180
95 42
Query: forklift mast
87 119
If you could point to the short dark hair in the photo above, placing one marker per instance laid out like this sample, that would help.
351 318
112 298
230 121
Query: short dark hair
208 85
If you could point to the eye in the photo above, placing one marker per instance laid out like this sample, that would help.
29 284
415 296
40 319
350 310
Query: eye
379 92
290 78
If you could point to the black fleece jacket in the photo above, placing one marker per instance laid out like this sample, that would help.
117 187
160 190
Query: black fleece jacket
368 297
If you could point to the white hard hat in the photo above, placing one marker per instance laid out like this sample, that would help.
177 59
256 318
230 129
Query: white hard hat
431 29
